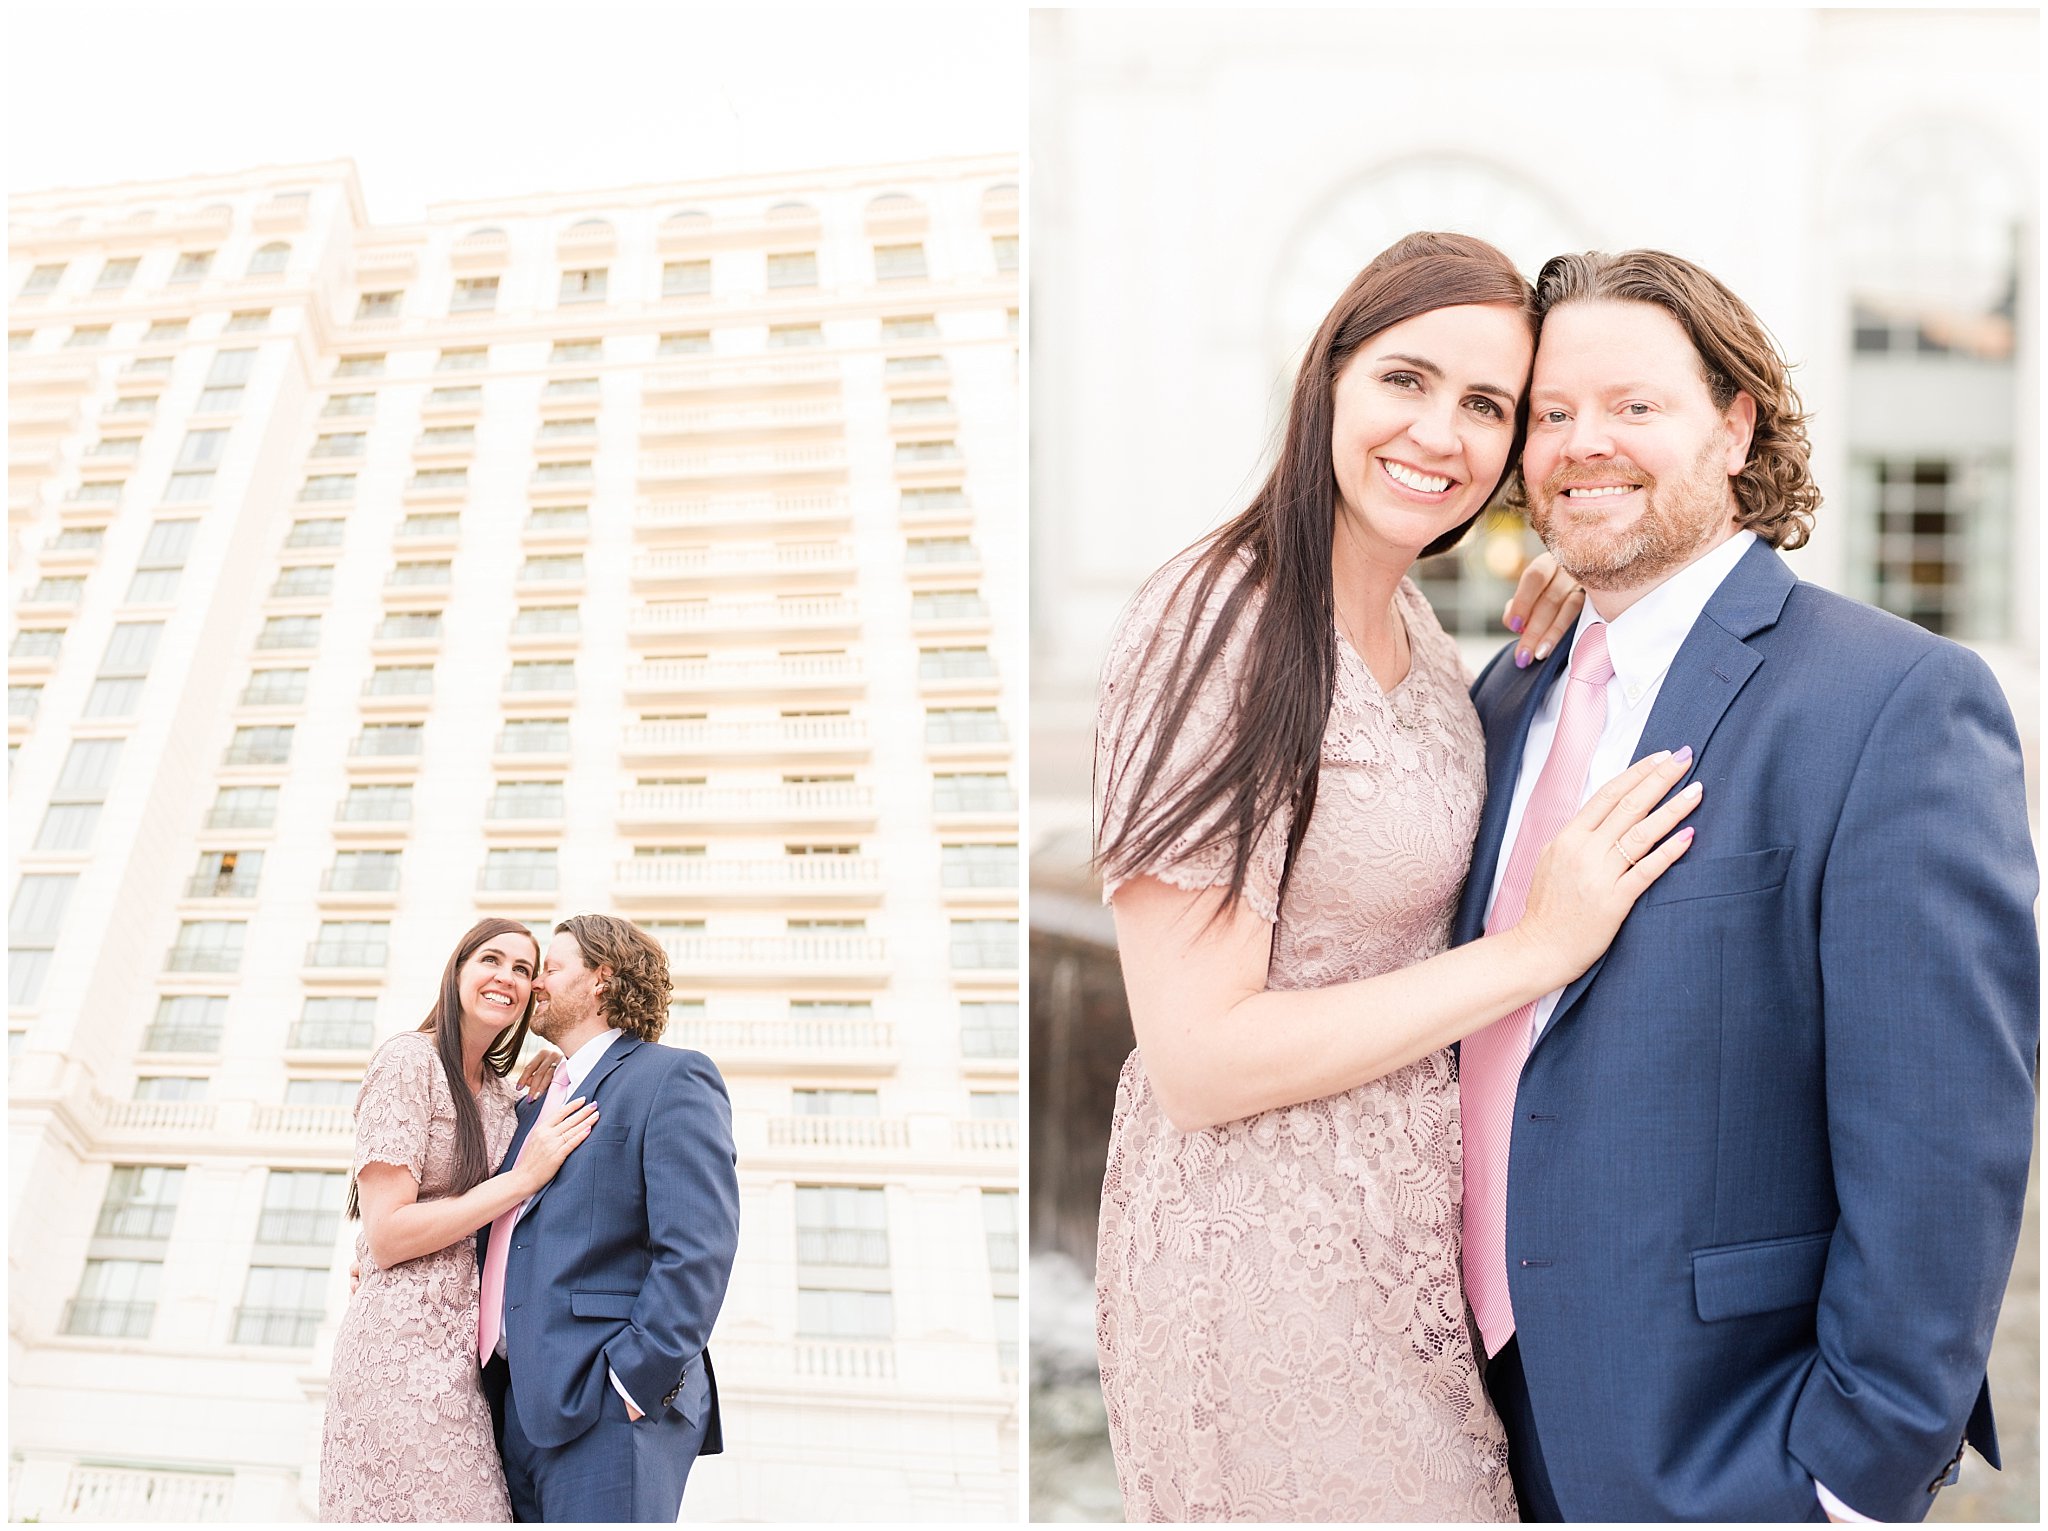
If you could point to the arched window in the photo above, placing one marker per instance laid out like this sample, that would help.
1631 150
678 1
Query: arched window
893 204
269 258
792 212
590 226
689 220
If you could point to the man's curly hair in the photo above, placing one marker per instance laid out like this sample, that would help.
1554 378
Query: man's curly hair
635 997
1774 491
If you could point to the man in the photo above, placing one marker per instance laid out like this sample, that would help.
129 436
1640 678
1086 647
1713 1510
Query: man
600 1292
1741 1201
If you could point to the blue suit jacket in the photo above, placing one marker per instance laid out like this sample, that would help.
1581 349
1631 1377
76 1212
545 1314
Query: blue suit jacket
1769 1154
622 1260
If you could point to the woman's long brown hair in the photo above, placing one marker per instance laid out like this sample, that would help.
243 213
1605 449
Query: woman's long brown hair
472 1153
1269 759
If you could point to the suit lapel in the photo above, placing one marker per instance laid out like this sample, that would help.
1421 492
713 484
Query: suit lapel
1709 671
587 1091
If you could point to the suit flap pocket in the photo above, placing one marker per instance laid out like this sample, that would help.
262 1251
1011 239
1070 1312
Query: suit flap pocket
1739 1279
602 1304
1717 876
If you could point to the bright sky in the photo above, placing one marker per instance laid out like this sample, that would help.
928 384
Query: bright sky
453 100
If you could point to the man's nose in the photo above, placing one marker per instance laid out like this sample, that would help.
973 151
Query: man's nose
1588 439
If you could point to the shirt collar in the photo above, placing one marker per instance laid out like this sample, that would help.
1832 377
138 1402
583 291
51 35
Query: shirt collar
584 1059
1642 641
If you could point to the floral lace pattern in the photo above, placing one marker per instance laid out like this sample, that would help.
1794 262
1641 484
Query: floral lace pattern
1279 1315
408 1432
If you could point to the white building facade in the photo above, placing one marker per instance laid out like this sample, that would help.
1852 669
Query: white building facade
651 550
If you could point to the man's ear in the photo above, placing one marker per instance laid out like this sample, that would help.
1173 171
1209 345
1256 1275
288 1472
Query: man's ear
1739 421
602 979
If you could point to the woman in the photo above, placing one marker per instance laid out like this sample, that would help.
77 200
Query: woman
408 1433
1289 781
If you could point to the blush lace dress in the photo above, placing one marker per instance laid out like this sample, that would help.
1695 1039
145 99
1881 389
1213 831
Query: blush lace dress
408 1432
1279 1314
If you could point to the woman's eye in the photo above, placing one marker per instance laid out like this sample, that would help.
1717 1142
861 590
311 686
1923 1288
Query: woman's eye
1487 407
1404 380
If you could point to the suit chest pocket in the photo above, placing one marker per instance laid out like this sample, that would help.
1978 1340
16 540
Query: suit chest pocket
1721 876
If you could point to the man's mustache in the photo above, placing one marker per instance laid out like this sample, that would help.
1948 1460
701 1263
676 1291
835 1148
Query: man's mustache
1617 470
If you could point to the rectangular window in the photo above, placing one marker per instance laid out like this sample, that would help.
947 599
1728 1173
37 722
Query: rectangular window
963 725
442 438
919 501
117 698
260 744
528 800
685 343
547 619
534 736
575 350
360 366
836 1102
988 1028
68 827
116 1299
165 329
400 680
100 492
117 273
140 404
188 488
350 944
301 632
36 642
542 675
899 263
281 1305
910 327
43 279
87 335
523 869
37 913
169 1087
302 1206
830 1313
842 1225
437 480
115 448
316 532
908 452
87 772
58 589
564 473
243 319
558 430
378 305
202 449
551 567
363 872
973 792
192 266
168 545
474 294
935 406
335 1023
274 688
797 269
685 278
450 398
384 803
243 808
931 550
781 336
572 388
350 404
310 579
218 401
558 518
130 647
955 664
420 571
208 946
329 486
379 739
27 968
897 367
409 624
141 1202
340 444
462 359
230 368
186 1023
1005 248
978 866
984 944
225 874
585 286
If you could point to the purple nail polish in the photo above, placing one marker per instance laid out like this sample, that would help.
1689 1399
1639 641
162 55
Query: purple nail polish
1686 833
1516 624
1521 659
1682 753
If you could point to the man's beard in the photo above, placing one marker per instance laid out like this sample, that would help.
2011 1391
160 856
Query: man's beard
552 1020
1680 516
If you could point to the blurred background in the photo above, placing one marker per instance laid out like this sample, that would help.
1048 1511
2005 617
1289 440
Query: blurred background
1202 186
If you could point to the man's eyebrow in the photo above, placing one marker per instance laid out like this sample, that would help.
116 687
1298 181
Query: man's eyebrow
1552 391
1424 364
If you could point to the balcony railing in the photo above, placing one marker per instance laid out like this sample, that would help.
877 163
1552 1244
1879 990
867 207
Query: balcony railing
110 1320
832 802
303 1121
796 614
813 1043
843 1246
347 954
299 1225
777 956
759 417
331 1036
189 959
241 818
360 879
728 379
770 462
215 885
878 1132
783 736
289 1327
108 1494
518 879
709 512
822 558
783 876
984 1135
751 677
373 811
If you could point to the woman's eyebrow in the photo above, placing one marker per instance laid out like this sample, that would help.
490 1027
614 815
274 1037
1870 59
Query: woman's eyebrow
1424 364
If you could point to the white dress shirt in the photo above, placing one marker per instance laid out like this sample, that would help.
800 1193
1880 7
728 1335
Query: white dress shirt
1641 643
577 1068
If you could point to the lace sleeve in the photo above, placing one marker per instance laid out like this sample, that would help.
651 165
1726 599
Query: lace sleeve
1159 622
396 1104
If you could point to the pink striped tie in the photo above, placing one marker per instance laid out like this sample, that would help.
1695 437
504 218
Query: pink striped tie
490 1311
1490 1061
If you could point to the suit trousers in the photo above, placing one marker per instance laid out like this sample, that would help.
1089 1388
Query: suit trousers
1509 1390
620 1469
